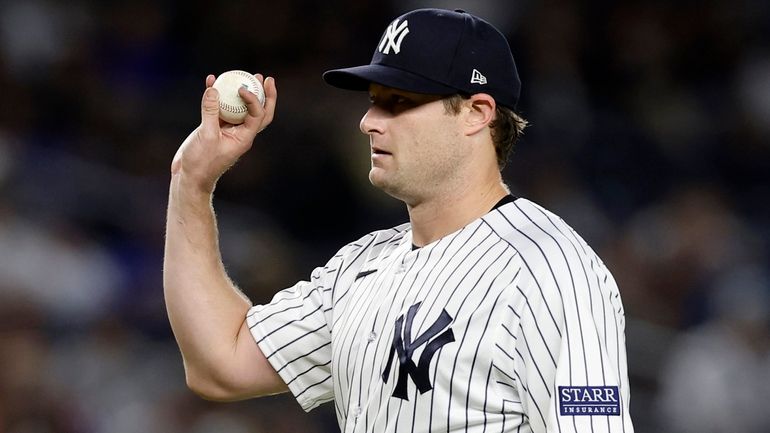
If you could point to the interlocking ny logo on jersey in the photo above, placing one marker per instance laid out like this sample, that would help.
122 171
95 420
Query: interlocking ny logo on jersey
393 37
405 347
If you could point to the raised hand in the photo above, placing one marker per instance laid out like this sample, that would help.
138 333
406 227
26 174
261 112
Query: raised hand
214 146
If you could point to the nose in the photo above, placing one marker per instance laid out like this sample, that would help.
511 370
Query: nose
372 122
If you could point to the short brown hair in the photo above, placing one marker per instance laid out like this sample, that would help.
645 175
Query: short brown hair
507 127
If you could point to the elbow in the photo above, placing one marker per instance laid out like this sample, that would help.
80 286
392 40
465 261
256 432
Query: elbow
232 378
210 388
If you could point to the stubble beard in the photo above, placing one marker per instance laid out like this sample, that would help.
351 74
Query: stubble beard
387 185
418 187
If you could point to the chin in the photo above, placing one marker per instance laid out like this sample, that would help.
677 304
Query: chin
388 186
378 178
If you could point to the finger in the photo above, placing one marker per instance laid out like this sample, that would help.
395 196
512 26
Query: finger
210 79
210 112
261 80
271 99
247 96
254 107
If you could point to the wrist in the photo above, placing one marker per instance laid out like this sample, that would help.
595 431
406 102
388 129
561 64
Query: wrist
190 190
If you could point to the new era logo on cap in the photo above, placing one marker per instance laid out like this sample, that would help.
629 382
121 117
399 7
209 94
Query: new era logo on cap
478 78
393 37
438 52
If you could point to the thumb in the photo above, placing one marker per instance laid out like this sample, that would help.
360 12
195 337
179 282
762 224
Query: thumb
210 110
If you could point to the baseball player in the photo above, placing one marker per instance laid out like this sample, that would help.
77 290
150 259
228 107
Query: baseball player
485 312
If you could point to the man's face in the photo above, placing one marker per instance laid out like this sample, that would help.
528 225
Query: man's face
415 144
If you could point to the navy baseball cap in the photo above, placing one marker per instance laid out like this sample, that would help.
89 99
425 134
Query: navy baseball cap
440 52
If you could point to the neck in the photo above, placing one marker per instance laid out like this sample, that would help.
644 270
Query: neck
439 216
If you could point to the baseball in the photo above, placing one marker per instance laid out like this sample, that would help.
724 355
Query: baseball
232 108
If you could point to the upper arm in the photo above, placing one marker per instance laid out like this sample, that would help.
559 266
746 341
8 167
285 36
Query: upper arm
570 348
294 335
286 343
257 374
282 345
246 374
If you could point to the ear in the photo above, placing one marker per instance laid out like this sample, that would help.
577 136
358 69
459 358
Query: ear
481 112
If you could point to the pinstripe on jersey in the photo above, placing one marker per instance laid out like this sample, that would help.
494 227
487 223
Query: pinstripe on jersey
529 306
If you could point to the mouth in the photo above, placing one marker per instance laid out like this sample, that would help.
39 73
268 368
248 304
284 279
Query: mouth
378 151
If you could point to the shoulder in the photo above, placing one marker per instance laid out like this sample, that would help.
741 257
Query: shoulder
528 226
373 242
344 266
546 244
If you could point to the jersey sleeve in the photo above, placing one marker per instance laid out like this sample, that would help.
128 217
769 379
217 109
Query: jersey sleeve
566 348
294 334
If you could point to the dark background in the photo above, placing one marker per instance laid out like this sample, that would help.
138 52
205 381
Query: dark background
650 127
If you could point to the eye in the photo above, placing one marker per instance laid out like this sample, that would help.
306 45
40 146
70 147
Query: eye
392 102
400 100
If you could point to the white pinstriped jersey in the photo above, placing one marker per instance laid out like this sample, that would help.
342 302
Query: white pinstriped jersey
511 324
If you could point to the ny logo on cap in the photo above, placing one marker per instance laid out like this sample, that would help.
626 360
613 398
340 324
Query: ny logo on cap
478 78
393 37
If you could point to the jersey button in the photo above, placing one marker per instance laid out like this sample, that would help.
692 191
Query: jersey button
372 336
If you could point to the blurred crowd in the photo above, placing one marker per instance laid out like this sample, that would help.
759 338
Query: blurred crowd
650 134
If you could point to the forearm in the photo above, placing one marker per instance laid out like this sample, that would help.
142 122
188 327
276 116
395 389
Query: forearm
205 308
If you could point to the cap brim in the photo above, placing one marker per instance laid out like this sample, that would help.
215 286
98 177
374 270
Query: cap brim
359 78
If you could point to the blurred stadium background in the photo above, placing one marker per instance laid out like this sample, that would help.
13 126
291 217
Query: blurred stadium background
650 135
